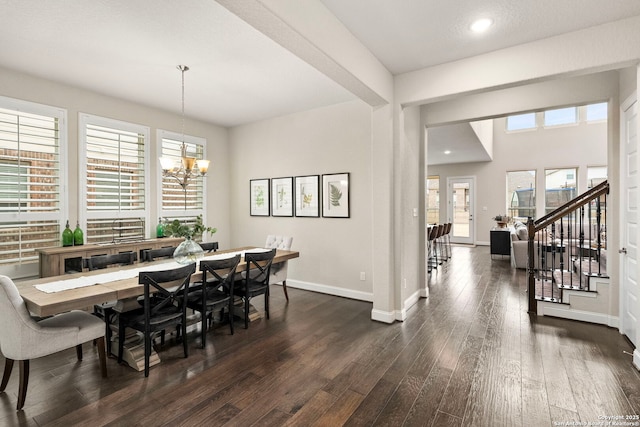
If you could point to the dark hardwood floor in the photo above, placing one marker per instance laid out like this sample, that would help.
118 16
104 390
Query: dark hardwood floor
469 355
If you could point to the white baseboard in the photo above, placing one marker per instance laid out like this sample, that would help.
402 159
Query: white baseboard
424 292
566 312
331 290
383 316
636 359
412 299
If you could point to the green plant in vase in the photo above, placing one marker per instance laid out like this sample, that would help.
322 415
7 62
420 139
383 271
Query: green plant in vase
188 251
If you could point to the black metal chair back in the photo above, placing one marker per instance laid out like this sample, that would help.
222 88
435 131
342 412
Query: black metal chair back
209 246
255 280
165 294
98 262
216 290
150 255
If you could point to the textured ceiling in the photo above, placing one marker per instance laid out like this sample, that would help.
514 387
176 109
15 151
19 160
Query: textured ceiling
409 35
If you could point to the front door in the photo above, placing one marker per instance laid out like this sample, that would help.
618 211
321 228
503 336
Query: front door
630 306
460 209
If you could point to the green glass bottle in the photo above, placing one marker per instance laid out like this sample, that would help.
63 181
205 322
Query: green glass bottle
78 235
67 236
160 228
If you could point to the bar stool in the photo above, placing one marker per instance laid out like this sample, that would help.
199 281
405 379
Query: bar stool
431 255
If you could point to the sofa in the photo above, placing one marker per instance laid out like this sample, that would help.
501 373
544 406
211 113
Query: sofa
519 243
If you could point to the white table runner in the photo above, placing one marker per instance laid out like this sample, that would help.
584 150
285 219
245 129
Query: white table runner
80 282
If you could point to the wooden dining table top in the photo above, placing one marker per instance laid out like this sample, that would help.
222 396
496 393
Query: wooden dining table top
45 304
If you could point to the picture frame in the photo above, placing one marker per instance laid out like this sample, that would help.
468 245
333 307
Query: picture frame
307 196
259 197
335 195
282 198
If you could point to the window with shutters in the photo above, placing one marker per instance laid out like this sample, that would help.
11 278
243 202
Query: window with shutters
113 164
31 183
178 202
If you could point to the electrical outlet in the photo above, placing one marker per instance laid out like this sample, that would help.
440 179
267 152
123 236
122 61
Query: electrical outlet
404 283
362 276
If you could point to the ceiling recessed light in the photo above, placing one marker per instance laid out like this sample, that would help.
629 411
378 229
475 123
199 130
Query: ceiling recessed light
447 152
481 25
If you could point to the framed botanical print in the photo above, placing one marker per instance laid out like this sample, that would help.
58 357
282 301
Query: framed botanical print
259 197
307 195
282 196
335 195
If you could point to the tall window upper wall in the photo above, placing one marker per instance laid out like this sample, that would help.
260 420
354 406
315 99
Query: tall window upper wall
33 174
177 202
114 179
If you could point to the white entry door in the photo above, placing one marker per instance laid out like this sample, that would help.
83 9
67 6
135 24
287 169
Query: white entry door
461 209
630 306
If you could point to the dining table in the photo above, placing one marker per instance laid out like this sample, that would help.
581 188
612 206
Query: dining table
52 295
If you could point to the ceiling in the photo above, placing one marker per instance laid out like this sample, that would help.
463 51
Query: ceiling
130 49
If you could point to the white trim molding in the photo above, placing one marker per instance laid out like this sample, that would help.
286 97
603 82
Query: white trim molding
330 290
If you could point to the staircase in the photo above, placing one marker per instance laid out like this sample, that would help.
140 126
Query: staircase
567 254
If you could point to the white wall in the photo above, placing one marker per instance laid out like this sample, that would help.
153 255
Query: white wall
76 100
333 251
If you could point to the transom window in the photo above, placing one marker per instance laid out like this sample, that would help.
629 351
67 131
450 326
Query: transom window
521 121
597 112
561 116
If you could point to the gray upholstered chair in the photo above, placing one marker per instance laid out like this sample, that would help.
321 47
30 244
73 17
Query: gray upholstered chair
279 270
23 339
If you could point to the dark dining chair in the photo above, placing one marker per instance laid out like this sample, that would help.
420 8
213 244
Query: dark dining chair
255 280
209 246
215 291
98 262
149 255
165 293
105 310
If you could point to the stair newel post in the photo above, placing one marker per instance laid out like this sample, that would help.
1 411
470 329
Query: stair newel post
533 306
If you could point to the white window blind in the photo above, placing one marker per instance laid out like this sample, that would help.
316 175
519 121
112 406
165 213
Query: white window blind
31 183
114 157
176 201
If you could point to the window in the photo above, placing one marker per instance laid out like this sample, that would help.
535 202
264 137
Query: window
521 194
596 175
113 159
433 199
521 122
176 200
561 116
31 183
597 112
560 187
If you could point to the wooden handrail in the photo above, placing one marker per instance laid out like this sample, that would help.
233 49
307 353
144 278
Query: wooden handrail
571 206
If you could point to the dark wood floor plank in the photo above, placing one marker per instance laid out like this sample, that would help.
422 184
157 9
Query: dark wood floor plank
313 409
469 355
425 407
340 411
535 406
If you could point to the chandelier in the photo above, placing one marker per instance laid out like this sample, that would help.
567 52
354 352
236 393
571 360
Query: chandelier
188 167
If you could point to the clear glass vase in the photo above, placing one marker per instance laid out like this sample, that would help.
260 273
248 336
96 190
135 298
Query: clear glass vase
188 251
